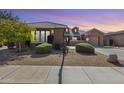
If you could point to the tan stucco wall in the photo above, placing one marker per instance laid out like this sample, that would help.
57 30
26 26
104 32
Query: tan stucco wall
58 35
118 39
93 39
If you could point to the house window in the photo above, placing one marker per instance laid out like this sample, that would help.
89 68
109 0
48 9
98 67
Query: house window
67 30
52 31
42 36
75 30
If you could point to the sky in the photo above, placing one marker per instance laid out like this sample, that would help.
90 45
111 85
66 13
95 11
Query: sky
106 20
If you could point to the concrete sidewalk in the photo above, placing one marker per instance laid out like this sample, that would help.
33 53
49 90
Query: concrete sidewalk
71 74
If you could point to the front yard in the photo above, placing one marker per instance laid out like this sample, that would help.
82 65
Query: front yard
29 57
97 59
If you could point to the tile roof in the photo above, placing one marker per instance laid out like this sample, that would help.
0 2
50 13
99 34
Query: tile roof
82 32
94 29
47 24
114 33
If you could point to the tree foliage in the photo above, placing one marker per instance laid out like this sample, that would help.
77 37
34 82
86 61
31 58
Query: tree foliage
7 15
7 19
11 30
7 30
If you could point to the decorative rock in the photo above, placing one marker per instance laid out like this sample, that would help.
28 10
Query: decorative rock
112 58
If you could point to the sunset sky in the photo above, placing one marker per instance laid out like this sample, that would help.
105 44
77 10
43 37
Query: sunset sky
104 20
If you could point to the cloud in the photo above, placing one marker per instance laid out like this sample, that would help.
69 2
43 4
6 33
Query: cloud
106 20
104 27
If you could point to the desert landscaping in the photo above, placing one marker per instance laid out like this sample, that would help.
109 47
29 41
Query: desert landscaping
30 57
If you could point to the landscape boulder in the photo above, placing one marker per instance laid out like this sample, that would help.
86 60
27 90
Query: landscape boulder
113 58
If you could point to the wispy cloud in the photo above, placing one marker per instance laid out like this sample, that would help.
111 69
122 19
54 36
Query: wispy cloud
107 20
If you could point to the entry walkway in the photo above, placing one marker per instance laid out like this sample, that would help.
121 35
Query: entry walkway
71 47
71 74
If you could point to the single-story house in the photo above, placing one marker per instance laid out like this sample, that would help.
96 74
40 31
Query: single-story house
44 29
114 38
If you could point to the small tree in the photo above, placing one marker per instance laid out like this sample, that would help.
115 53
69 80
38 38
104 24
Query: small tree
10 18
7 31
22 34
12 31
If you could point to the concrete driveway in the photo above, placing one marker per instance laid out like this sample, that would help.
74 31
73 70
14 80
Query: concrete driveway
71 74
107 51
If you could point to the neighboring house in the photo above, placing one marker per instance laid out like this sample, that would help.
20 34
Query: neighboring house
93 36
72 34
114 38
44 29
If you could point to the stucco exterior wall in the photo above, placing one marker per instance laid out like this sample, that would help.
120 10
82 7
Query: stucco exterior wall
58 35
96 38
118 39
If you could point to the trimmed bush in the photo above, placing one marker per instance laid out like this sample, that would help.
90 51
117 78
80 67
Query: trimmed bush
85 48
44 48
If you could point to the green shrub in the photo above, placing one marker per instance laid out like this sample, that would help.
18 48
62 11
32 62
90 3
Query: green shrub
44 48
85 48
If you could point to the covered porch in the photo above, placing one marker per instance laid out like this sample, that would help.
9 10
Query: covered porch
41 35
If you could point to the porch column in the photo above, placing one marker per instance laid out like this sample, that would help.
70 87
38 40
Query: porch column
45 36
39 36
35 35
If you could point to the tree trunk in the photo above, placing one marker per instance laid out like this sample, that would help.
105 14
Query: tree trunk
10 45
20 47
